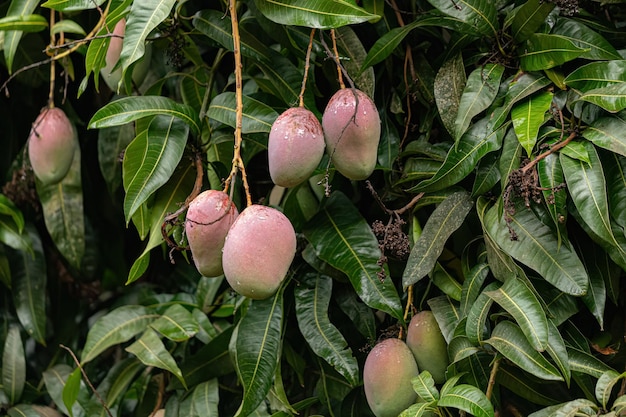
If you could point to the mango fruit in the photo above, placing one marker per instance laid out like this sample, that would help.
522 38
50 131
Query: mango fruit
112 75
52 143
258 251
295 147
387 373
209 217
351 126
428 345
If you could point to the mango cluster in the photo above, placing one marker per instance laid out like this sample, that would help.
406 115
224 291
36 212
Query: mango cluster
393 363
349 131
253 249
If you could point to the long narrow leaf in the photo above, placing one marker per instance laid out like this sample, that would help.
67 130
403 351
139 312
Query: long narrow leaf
151 351
13 365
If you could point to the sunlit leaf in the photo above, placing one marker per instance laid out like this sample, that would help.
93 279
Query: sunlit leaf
151 351
115 327
55 379
447 217
544 51
586 363
480 14
254 347
477 314
528 18
312 301
528 116
257 116
584 37
342 238
424 386
467 398
176 324
523 85
71 390
27 23
318 14
597 75
611 98
607 132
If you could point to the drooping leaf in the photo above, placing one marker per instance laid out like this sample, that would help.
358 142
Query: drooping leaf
536 247
448 284
257 116
205 398
545 51
611 98
580 361
449 84
176 324
115 327
462 158
472 285
312 301
150 159
71 390
528 116
13 365
254 348
55 379
523 85
467 398
615 168
68 26
605 385
480 90
447 217
551 180
487 174
28 286
596 263
477 314
528 18
584 37
314 13
607 133
129 109
481 15
142 19
596 75
558 351
24 23
62 205
424 386
509 340
12 38
151 351
342 238
520 302
446 313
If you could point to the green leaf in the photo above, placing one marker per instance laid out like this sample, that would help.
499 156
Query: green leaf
151 351
446 313
580 361
528 116
62 205
318 14
12 227
477 314
487 174
607 132
24 23
615 168
461 159
535 247
520 302
534 389
150 159
312 301
447 217
424 386
605 385
579 407
557 350
112 141
523 85
611 98
13 365
551 180
71 390
528 18
257 116
596 75
255 347
205 398
28 286
361 315
12 38
115 327
446 282
176 324
144 16
72 5
210 361
342 238
584 37
479 92
68 26
55 379
420 409
353 53
577 150
587 187
481 15
508 339
467 398
129 109
543 51
23 410
449 84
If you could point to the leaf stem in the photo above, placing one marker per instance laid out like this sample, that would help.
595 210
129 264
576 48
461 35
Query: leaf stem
237 164
306 68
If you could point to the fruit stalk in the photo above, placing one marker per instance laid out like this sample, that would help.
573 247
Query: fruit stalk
337 61
306 68
237 164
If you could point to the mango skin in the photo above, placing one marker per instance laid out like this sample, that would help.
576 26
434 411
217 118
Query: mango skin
258 251
387 374
209 217
352 133
140 69
295 147
52 143
428 345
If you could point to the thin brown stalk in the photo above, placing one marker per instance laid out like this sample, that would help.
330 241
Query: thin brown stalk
337 61
306 68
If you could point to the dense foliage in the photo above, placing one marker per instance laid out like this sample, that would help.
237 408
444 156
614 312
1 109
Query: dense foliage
498 202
